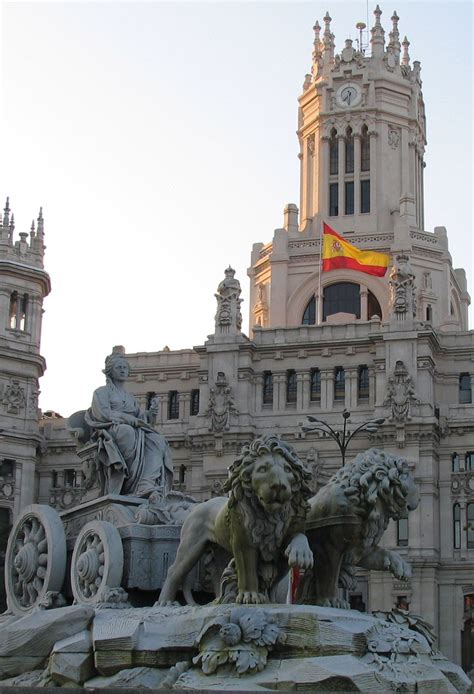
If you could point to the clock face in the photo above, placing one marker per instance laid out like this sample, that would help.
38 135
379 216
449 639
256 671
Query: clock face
348 95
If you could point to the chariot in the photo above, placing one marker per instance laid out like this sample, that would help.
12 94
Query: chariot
95 553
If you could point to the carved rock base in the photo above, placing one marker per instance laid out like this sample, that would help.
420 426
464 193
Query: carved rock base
230 647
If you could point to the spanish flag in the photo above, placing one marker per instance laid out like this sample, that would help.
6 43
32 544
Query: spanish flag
338 253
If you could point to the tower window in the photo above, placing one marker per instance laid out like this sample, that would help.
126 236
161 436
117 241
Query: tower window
363 383
17 312
455 463
365 150
365 196
470 526
291 386
402 532
194 401
349 197
173 404
333 199
456 526
315 385
333 154
465 395
309 315
339 383
341 297
349 166
267 388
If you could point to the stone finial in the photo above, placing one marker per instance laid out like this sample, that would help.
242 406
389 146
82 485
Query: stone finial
377 41
40 221
395 34
317 31
406 56
6 213
317 49
32 229
12 222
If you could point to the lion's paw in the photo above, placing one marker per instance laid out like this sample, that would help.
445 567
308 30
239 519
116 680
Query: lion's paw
299 553
399 567
249 597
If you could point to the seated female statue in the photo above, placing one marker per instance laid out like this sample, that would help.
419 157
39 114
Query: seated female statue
135 458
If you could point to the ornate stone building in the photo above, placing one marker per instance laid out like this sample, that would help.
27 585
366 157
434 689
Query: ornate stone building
396 347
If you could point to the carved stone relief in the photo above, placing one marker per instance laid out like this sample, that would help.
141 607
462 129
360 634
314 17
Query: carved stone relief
402 288
401 394
14 397
393 137
221 405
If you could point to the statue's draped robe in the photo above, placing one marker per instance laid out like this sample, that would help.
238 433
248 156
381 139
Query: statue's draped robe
137 460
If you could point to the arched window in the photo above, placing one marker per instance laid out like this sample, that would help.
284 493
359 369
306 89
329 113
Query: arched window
341 297
339 383
349 151
17 312
455 463
291 386
365 149
373 306
465 395
470 525
333 154
315 385
363 383
309 315
267 394
456 526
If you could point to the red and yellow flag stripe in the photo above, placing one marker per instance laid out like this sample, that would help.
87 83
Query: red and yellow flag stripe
338 253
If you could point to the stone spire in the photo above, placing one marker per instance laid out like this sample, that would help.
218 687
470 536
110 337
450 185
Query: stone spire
40 227
32 230
394 43
317 51
406 56
377 41
328 40
6 213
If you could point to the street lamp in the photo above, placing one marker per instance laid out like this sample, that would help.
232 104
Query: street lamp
342 438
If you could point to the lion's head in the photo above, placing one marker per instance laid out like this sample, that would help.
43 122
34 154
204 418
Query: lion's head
269 470
379 486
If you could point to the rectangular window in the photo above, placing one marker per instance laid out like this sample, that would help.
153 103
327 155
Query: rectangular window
70 478
7 468
363 383
349 197
402 532
339 383
194 402
349 154
470 526
291 386
173 404
315 386
365 152
465 393
365 196
267 388
456 526
333 199
455 463
149 397
333 156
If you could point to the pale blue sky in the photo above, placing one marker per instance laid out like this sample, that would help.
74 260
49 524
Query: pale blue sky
160 140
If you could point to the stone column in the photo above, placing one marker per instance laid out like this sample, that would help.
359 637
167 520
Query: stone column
164 406
356 173
184 406
371 387
327 389
4 309
279 390
258 392
373 172
350 401
304 389
324 177
341 149
364 303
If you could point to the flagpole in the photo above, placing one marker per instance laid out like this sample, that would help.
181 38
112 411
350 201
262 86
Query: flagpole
320 298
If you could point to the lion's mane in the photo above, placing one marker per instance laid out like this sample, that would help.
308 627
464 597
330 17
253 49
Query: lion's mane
372 476
267 530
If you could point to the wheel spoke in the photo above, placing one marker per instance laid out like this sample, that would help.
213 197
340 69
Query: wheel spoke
38 584
43 559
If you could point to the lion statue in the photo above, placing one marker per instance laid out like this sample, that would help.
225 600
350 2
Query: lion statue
347 519
261 524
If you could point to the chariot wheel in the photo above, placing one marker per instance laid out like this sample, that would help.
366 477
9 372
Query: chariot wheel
35 562
97 562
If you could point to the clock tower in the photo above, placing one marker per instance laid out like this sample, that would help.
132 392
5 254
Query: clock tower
362 134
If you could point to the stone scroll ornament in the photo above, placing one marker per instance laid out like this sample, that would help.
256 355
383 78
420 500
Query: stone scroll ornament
402 289
221 405
401 394
228 316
